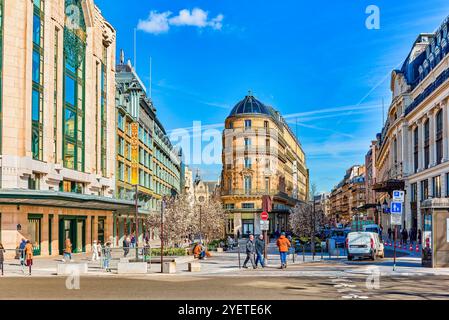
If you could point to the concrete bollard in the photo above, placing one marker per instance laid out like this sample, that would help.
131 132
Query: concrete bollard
169 267
132 268
194 267
219 249
71 268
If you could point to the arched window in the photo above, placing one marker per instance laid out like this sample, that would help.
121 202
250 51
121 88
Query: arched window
74 80
439 136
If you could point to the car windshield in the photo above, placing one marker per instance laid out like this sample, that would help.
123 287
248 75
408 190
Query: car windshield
371 230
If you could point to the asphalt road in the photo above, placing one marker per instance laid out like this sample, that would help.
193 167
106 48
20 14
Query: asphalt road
253 287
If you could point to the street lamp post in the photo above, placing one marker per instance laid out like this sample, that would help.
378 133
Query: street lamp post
201 228
136 203
378 209
313 230
162 234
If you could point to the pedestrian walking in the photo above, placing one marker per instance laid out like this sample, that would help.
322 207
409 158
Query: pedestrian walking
284 245
2 256
133 241
404 235
22 245
260 249
126 244
250 250
29 255
95 251
107 256
67 250
230 242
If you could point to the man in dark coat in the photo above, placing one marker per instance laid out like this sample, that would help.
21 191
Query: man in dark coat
260 249
250 250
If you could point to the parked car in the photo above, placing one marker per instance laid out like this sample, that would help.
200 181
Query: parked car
364 245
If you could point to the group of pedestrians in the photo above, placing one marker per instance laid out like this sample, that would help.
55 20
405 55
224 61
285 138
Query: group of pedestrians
255 251
404 236
129 241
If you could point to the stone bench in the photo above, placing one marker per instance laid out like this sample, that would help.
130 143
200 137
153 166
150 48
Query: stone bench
71 268
169 267
132 268
194 267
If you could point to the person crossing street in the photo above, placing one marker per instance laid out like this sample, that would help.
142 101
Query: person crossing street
260 249
284 245
250 250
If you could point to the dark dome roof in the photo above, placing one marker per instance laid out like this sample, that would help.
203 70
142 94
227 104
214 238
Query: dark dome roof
250 105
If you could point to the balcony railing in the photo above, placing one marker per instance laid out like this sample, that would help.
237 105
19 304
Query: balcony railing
252 192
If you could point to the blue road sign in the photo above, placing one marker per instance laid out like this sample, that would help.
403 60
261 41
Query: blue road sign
396 207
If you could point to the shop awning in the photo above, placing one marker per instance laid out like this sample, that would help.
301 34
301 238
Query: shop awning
389 186
368 206
63 199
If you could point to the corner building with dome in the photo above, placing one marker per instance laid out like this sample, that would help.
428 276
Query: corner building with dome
263 162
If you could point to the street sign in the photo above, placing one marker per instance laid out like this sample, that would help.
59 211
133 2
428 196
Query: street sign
398 196
264 216
396 208
264 225
396 219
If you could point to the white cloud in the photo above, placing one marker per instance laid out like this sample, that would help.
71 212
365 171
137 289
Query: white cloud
158 23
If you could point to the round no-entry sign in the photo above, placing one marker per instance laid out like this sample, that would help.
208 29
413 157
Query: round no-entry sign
264 216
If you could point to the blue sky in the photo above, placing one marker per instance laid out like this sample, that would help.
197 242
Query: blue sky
314 61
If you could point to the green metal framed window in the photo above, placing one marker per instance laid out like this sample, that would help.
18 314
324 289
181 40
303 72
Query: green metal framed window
74 86
37 78
35 231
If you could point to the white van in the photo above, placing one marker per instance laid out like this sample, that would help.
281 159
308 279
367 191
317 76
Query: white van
364 245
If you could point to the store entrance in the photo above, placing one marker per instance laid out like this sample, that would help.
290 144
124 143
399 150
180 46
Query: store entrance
247 228
72 228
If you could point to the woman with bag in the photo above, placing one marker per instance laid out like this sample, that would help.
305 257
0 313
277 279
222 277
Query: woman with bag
29 255
68 250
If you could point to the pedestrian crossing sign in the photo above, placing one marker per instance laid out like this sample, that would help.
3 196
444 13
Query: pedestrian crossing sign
396 207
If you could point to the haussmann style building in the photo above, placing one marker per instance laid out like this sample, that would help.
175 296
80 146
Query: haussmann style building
57 137
262 159
412 151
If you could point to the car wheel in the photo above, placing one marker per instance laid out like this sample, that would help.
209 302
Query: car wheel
350 258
